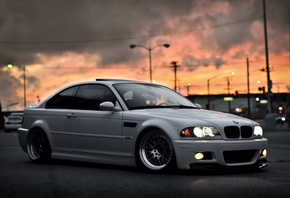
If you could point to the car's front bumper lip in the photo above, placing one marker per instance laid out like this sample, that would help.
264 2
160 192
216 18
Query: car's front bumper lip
186 149
261 163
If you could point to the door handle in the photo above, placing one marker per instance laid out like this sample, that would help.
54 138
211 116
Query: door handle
71 115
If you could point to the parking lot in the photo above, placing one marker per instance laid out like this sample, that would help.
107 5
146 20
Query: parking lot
21 178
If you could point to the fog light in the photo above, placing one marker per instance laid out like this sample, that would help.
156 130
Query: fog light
198 156
264 153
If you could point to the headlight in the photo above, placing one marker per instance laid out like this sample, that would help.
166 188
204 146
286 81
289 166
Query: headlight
258 131
199 131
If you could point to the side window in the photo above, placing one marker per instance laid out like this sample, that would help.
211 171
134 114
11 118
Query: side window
63 100
89 97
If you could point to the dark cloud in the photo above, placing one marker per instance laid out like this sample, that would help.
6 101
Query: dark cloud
192 62
56 27
9 88
239 54
31 27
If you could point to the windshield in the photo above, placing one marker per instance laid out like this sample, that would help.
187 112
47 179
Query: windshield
143 96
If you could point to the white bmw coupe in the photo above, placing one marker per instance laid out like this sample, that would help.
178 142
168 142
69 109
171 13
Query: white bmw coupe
135 123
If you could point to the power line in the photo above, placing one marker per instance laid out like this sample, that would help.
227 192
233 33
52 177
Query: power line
127 38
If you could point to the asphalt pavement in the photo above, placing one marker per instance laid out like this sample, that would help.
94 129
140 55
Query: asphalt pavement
21 178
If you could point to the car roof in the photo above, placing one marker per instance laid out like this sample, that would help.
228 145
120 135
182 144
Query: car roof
114 81
107 82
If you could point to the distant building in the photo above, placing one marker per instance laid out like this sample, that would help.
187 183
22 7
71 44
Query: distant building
239 104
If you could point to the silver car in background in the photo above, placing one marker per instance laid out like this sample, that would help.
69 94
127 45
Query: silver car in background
138 124
13 122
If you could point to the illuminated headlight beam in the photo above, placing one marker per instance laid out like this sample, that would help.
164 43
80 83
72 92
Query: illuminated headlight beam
258 131
199 131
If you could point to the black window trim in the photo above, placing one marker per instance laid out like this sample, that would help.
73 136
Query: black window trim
76 91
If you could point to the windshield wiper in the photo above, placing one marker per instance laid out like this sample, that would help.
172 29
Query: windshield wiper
184 107
149 107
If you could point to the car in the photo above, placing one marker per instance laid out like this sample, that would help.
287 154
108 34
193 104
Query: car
132 123
279 119
13 122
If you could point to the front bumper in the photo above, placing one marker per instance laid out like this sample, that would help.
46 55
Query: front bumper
12 126
243 153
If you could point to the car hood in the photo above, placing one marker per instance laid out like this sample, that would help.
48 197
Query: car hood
194 117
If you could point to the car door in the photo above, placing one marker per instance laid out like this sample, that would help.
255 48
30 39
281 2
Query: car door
55 116
94 132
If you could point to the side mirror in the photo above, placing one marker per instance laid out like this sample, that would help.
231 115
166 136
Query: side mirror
109 106
198 105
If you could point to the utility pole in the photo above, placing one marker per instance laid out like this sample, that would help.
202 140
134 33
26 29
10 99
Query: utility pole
24 85
248 82
269 82
174 63
229 102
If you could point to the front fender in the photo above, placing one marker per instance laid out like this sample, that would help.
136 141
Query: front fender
170 128
133 133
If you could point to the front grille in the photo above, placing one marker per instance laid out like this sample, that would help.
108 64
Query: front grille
231 157
235 132
246 131
232 132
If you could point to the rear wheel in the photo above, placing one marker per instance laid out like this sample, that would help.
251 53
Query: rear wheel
38 148
156 151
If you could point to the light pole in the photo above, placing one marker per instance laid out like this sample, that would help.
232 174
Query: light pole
149 49
248 85
188 88
208 92
10 105
24 82
229 102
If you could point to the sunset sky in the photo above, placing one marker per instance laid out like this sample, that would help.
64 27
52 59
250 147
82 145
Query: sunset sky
61 42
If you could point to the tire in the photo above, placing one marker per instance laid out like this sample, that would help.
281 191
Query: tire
38 147
156 151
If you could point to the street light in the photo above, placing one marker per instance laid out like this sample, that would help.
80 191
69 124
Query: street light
208 93
10 105
10 66
248 85
149 49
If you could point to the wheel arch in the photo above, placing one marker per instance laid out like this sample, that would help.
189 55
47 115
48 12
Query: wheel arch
170 128
43 126
38 145
140 137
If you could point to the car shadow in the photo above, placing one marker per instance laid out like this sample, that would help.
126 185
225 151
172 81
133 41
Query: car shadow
171 171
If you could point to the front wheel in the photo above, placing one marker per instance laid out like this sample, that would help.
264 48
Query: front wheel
38 148
156 151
